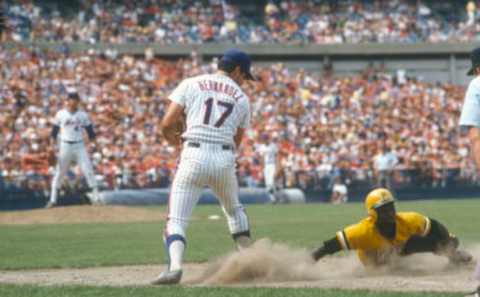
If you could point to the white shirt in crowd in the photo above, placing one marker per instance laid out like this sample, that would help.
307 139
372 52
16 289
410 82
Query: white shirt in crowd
386 161
340 188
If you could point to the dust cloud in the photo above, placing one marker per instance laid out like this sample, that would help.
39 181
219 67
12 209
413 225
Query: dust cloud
269 262
266 261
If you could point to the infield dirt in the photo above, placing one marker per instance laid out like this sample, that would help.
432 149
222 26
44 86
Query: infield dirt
269 264
81 214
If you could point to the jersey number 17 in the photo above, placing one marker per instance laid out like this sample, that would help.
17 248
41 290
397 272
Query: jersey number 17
228 108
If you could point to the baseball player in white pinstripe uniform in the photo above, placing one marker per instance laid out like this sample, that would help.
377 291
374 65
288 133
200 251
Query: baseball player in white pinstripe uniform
216 112
68 126
470 118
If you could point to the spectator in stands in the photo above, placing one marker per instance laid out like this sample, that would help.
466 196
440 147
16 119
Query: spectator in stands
326 126
471 11
384 163
285 22
339 192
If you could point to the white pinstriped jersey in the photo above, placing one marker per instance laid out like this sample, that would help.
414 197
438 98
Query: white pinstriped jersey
71 125
215 107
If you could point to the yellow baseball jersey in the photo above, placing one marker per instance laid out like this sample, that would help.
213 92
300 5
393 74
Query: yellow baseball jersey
372 248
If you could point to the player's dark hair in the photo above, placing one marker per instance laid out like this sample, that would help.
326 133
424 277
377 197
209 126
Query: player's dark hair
73 96
226 66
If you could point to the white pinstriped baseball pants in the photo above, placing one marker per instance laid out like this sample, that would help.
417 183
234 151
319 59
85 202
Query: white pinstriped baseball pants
208 165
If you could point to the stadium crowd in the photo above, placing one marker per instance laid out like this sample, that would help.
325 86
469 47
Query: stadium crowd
282 21
325 126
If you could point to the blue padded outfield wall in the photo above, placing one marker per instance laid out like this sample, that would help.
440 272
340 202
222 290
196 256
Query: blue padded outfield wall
19 199
22 200
160 196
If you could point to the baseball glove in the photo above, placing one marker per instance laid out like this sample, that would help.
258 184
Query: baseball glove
180 125
51 158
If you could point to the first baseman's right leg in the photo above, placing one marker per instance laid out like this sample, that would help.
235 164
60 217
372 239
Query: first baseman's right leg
185 192
64 159
225 187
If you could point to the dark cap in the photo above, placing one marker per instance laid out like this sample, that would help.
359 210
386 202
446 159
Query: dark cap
475 58
240 58
73 96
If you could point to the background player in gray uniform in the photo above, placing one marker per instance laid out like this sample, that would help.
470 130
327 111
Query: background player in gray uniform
269 150
470 118
217 112
384 163
68 127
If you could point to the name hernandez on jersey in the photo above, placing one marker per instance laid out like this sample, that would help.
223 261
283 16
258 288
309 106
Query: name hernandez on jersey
210 85
215 107
71 124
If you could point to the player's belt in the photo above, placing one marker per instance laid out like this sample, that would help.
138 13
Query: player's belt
225 147
72 142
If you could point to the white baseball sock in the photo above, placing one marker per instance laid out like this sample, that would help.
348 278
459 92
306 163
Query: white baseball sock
175 252
54 195
96 197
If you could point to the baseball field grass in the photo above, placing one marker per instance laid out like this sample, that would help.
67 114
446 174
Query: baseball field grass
80 291
43 246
